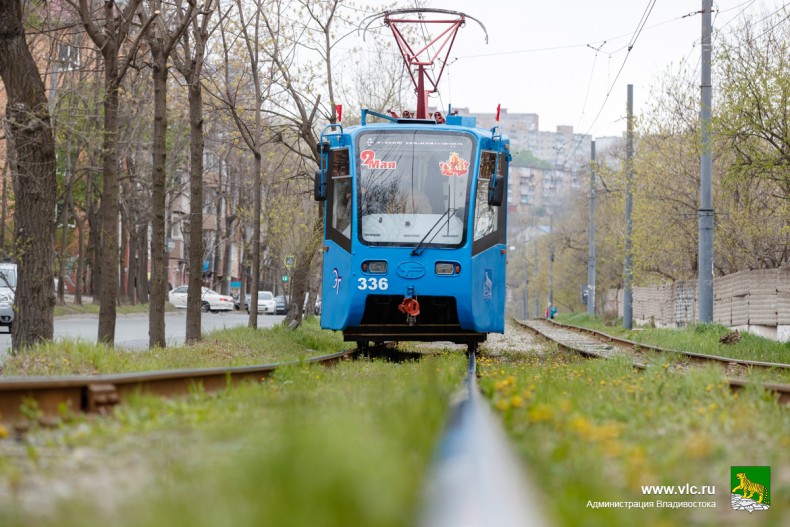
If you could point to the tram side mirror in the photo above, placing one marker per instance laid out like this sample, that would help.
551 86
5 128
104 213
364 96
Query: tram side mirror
322 174
319 185
496 192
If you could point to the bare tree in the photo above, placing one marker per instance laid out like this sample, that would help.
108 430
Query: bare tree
302 113
167 26
109 32
232 95
33 177
189 59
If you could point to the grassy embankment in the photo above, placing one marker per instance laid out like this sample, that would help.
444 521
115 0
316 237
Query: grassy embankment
698 338
596 431
230 347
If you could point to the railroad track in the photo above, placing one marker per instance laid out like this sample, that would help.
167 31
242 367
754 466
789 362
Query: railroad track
592 343
47 397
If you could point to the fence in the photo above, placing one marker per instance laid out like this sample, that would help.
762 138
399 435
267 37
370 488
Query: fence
756 301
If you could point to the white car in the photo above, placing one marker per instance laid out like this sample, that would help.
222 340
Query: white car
266 303
210 300
7 292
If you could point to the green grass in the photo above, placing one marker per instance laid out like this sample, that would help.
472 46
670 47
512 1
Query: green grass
239 346
93 309
595 430
345 446
698 338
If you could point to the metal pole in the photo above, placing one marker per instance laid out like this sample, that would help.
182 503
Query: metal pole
551 261
526 300
591 228
537 292
705 212
628 300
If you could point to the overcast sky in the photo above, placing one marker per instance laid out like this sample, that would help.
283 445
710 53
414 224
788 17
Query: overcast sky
561 59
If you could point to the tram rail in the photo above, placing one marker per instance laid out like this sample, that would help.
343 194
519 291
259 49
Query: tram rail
595 344
50 396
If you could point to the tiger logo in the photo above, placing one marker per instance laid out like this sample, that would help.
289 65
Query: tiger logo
749 488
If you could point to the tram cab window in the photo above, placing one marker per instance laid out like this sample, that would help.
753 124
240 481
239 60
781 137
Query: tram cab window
339 206
489 228
413 187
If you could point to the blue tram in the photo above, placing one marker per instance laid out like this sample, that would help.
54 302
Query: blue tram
415 225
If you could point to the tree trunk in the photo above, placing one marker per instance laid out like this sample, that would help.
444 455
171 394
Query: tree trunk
256 238
217 278
158 290
34 181
142 269
108 210
80 257
301 275
64 220
4 203
131 274
196 145
122 256
226 258
94 239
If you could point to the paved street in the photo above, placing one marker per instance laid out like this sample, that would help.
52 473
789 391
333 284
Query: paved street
131 331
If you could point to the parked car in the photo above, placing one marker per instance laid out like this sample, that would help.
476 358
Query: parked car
317 308
7 293
282 304
266 303
210 300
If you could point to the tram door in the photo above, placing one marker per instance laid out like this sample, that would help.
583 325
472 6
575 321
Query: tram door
488 243
336 281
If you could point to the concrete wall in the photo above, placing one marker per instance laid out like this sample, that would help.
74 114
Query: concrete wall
755 301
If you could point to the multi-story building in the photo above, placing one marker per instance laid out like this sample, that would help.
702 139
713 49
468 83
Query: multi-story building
547 166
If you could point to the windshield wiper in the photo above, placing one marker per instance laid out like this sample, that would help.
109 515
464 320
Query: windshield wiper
449 213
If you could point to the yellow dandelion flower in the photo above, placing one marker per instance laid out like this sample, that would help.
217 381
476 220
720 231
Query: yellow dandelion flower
516 401
541 413
607 431
581 426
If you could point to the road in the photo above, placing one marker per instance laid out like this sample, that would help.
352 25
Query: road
131 331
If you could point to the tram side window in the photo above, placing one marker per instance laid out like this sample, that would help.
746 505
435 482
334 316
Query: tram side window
340 193
489 221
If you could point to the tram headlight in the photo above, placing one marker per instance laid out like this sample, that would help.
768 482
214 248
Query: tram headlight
447 268
375 267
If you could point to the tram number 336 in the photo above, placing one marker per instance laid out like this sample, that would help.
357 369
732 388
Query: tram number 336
373 284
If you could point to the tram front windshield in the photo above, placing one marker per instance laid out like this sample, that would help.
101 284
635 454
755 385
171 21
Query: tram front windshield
413 187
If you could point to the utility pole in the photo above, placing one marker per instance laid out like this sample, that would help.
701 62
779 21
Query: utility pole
628 299
551 260
526 299
705 211
537 291
591 228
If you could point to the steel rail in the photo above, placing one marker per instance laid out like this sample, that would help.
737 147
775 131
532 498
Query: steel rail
695 357
476 479
780 391
47 398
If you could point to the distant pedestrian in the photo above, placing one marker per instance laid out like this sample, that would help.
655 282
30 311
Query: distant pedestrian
552 311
